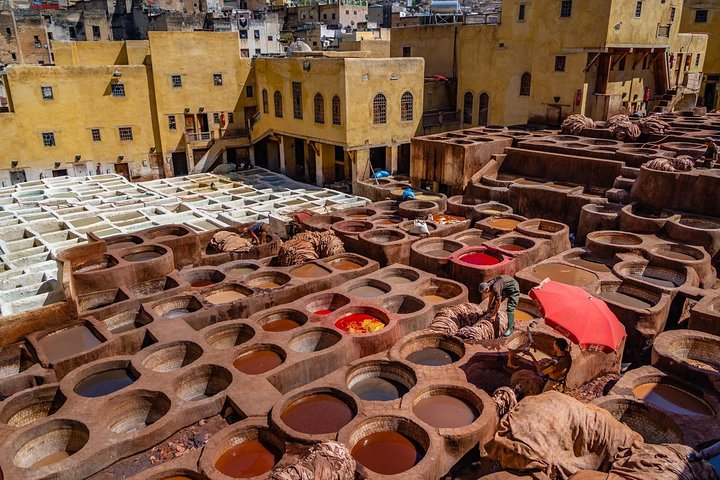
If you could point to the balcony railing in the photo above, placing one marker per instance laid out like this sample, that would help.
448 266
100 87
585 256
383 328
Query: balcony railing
440 118
198 137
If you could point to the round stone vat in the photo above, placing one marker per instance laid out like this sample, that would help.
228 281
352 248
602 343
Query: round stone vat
319 411
641 219
403 304
243 452
239 268
362 320
387 220
437 291
418 208
267 280
434 249
608 242
107 378
588 261
352 227
133 411
500 224
389 445
384 236
221 337
164 233
400 276
314 340
478 257
446 406
49 443
386 206
655 276
685 254
310 270
544 229
359 213
380 380
348 262
318 223
202 277
120 242
652 424
697 230
514 244
177 306
672 398
259 359
144 253
31 406
282 320
202 382
227 293
470 238
326 303
127 320
152 287
687 353
628 296
563 273
594 217
490 209
171 356
463 205
368 288
93 264
431 350
410 228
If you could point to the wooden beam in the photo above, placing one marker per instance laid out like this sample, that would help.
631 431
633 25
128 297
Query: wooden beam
637 62
622 55
592 61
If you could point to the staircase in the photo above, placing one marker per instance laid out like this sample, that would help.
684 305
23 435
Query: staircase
214 153
667 102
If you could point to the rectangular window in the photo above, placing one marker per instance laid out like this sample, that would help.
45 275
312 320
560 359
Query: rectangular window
231 117
521 13
71 30
663 31
37 42
50 35
176 81
47 93
297 100
249 91
406 51
95 132
560 63
565 8
333 16
216 117
701 16
48 139
270 38
118 90
258 51
256 33
638 9
96 32
672 14
217 79
347 12
8 32
125 134
243 34
172 124
13 55
245 52
324 16
697 60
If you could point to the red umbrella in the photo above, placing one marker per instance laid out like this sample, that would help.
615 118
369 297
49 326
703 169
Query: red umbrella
579 316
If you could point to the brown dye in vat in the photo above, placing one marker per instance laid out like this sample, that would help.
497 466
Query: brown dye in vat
434 298
367 291
386 453
398 279
358 215
68 342
317 414
224 296
379 389
50 459
438 253
512 247
432 357
677 255
247 459
267 285
671 399
257 362
444 411
625 299
177 312
241 271
660 282
522 316
201 283
309 270
425 196
566 274
590 264
503 223
119 245
344 264
142 256
282 325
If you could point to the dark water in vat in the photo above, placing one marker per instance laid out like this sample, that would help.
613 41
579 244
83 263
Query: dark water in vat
378 389
387 453
105 383
625 299
432 357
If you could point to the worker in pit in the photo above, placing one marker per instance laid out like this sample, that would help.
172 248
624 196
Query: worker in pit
712 153
408 194
258 231
503 287
555 372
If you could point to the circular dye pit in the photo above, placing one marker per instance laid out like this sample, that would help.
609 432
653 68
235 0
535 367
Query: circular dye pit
480 258
317 414
512 247
445 411
387 453
177 312
143 256
647 277
345 264
567 274
202 283
325 304
105 383
672 399
309 270
369 291
257 362
625 299
401 277
281 325
503 223
440 253
63 439
224 296
432 357
589 263
248 459
241 270
379 389
360 323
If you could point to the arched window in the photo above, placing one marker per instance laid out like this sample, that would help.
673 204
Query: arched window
525 84
266 109
468 108
406 107
336 116
484 109
319 108
278 104
379 109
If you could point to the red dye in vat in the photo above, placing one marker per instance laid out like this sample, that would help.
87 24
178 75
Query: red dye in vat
323 312
202 283
480 258
359 323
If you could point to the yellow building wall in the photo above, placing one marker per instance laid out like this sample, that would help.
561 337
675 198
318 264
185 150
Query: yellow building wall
625 29
711 64
129 52
82 101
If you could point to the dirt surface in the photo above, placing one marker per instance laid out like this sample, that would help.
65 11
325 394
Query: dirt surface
595 388
190 438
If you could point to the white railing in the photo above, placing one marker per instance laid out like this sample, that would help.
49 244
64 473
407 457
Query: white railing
198 137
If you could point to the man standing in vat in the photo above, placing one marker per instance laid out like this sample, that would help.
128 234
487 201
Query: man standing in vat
502 287
712 152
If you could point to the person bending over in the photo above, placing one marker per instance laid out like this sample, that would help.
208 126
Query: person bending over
258 231
501 288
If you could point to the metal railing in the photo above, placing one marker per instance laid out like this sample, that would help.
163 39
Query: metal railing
198 137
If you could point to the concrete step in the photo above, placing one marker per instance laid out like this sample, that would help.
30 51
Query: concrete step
623 183
629 172
618 195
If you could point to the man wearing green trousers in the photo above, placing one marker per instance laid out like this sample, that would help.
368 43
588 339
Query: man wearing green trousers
500 288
